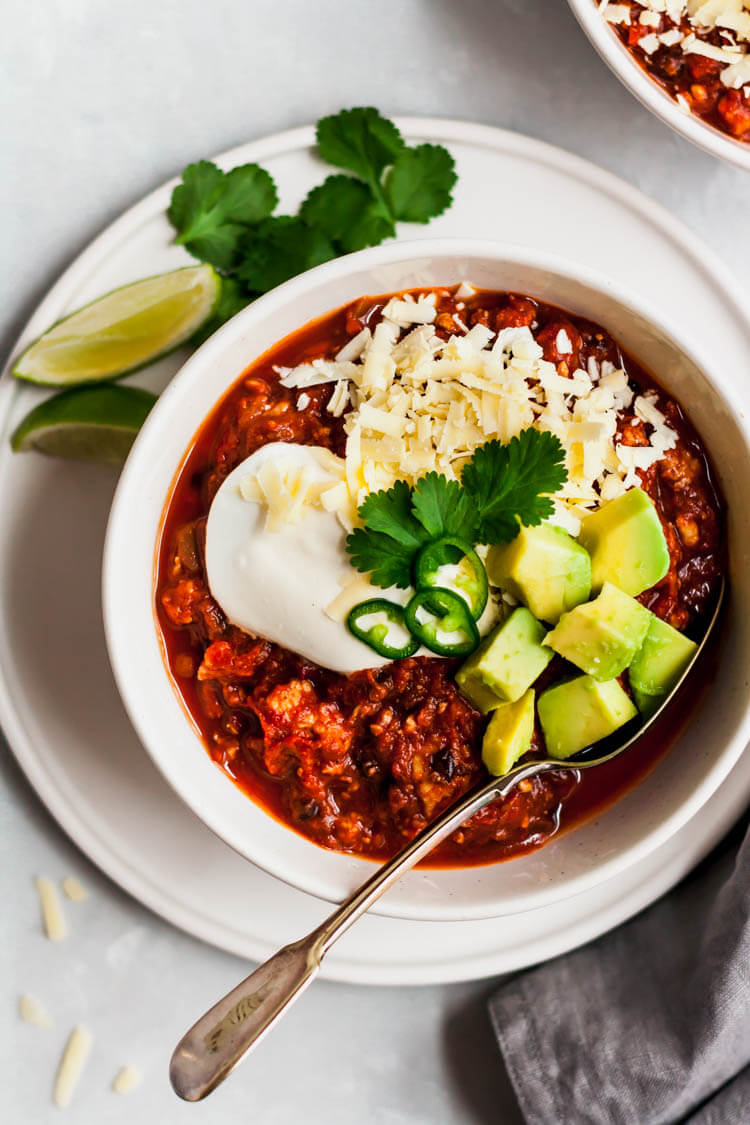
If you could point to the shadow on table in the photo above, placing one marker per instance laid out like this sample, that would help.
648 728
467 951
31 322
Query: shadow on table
474 1065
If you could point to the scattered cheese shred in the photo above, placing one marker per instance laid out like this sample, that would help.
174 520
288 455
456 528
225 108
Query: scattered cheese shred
74 889
701 19
71 1066
31 1011
357 590
126 1080
465 290
617 13
52 914
414 402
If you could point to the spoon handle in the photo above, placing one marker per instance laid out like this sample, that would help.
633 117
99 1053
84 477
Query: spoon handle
223 1036
232 1028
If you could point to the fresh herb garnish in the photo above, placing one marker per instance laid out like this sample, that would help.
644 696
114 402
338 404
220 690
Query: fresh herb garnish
392 535
444 507
211 209
408 184
279 248
344 210
510 483
387 561
226 218
503 486
419 184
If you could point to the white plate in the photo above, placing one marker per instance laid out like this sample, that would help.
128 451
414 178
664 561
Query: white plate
58 703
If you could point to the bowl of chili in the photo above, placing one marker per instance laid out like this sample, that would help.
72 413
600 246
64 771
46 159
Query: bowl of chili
201 694
693 73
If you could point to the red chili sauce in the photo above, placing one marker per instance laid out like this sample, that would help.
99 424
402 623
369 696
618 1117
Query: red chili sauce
693 77
361 763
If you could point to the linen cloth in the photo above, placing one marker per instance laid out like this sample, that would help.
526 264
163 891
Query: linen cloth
649 1025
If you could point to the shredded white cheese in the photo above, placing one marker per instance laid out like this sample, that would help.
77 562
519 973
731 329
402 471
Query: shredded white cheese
617 13
405 311
415 402
465 290
74 889
700 18
126 1079
71 1066
32 1011
52 914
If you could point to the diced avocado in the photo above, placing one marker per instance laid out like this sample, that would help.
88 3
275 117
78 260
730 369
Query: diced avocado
601 637
471 685
626 543
646 703
661 659
544 568
506 663
579 712
508 734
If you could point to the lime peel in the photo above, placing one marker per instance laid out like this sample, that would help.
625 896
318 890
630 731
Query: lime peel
85 424
124 330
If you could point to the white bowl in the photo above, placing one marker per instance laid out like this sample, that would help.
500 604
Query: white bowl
638 823
648 91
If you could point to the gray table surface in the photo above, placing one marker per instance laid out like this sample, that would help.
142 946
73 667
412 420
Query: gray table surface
100 103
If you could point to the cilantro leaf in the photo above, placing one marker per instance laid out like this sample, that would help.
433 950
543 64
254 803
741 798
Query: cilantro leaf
344 210
226 218
390 512
387 561
419 184
502 487
361 141
507 483
279 248
386 545
210 209
443 507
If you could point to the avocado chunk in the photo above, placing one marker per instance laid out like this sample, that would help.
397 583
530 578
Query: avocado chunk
544 568
659 663
578 712
601 637
509 733
626 543
646 704
506 663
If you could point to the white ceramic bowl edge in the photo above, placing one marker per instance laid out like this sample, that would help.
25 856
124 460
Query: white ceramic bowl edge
638 823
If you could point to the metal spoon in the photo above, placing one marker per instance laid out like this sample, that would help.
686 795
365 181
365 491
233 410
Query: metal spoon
236 1024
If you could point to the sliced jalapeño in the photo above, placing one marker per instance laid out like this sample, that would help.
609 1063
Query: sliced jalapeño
375 632
465 575
450 629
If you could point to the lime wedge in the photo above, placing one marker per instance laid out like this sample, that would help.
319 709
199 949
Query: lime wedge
85 424
124 330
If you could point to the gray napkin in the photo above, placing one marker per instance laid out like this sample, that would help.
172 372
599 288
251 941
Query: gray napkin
649 1025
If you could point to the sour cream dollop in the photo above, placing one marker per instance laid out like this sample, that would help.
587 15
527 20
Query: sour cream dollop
277 584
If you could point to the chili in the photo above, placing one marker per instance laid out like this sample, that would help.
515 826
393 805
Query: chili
361 763
691 78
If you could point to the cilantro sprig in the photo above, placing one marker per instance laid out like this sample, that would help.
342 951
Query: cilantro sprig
502 487
212 209
228 219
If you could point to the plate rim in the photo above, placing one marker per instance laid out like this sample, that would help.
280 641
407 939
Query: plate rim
704 259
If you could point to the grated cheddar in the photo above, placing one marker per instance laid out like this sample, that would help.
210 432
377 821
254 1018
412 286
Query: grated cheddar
415 402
